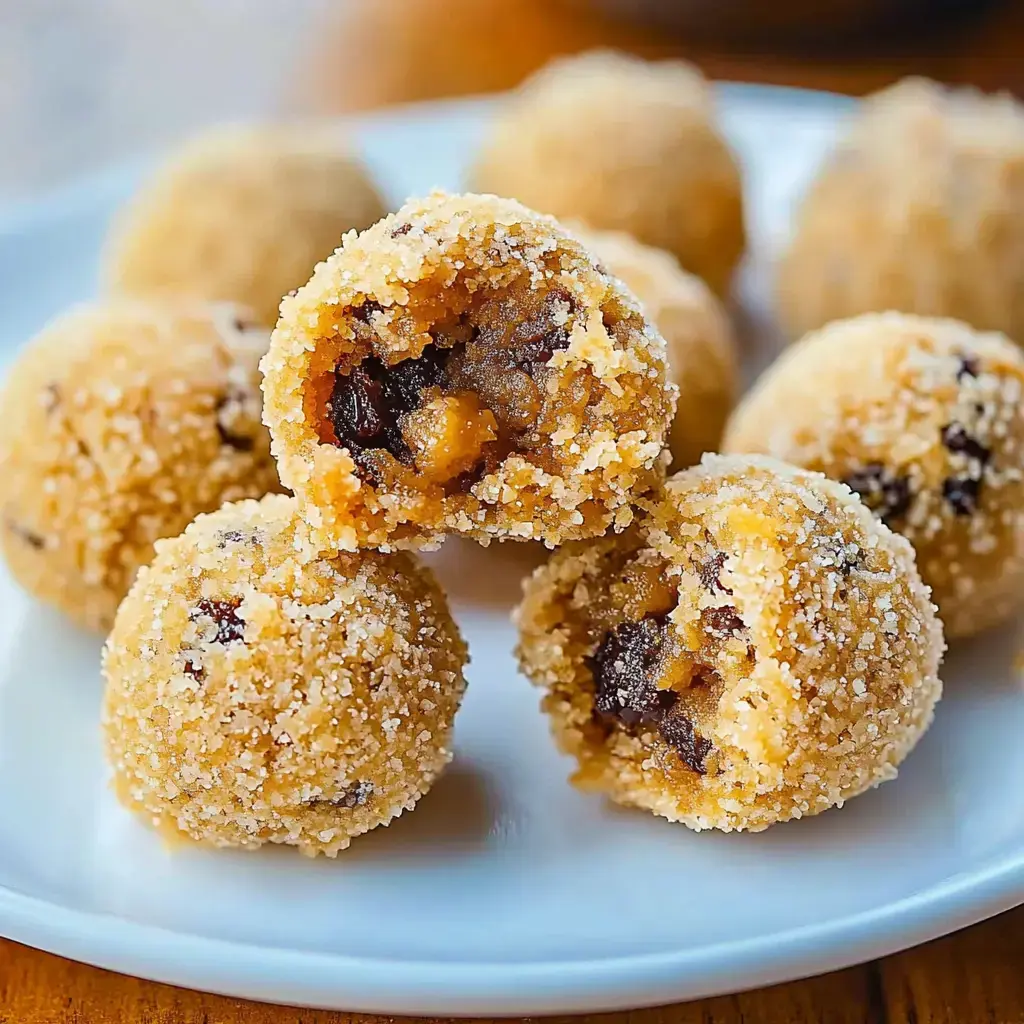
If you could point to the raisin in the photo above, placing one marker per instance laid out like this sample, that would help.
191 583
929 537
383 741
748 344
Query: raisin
887 494
957 440
622 668
402 229
367 403
969 367
722 622
230 625
231 438
538 337
366 310
962 494
355 796
194 669
679 733
711 573
24 534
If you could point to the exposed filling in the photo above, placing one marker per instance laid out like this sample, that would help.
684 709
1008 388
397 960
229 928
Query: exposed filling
476 393
653 675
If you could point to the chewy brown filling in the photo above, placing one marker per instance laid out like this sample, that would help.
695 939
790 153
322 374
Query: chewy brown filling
475 394
652 675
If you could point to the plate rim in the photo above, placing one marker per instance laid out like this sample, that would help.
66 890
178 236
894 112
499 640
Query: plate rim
368 985
422 987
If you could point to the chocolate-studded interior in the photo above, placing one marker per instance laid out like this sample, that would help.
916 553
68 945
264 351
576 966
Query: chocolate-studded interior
653 672
480 390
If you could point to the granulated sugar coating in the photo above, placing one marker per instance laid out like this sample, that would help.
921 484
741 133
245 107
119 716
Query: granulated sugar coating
698 338
920 209
463 367
242 214
925 419
627 145
757 648
256 697
122 421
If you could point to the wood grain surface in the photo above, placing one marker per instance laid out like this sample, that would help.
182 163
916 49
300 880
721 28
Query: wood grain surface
972 977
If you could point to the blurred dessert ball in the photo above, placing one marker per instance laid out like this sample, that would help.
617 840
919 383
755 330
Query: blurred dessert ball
398 51
242 214
623 144
122 421
699 343
920 209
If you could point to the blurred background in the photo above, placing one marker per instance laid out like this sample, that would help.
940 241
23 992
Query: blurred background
86 83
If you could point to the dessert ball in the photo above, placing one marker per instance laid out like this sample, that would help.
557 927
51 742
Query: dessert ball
463 367
242 214
920 209
122 421
757 648
258 694
698 338
627 145
924 418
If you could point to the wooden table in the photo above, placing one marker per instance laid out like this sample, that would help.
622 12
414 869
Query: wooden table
972 977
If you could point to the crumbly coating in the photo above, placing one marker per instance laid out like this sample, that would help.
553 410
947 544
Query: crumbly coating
757 648
627 145
920 209
699 341
925 419
463 367
122 421
242 214
254 696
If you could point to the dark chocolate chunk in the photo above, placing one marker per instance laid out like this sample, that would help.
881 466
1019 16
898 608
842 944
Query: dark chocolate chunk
722 622
887 494
962 494
24 534
622 668
224 614
679 733
957 440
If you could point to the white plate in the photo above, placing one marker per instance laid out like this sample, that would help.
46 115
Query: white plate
506 892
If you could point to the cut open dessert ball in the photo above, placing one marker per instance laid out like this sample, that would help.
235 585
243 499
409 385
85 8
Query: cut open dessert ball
257 696
463 367
924 418
757 647
122 421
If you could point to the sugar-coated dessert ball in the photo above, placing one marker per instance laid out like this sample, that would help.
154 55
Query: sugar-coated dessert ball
699 342
242 214
924 418
122 421
463 367
920 209
626 145
757 648
258 693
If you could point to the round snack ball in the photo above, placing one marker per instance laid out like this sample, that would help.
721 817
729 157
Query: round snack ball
260 694
627 145
698 338
924 418
758 648
122 421
242 214
463 367
920 209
